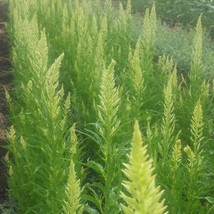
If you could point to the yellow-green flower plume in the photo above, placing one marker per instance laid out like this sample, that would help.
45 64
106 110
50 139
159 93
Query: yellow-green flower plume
141 194
72 203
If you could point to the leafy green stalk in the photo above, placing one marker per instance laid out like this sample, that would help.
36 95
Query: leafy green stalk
108 125
195 159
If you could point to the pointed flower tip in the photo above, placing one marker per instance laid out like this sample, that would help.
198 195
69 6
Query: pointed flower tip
136 125
113 62
137 129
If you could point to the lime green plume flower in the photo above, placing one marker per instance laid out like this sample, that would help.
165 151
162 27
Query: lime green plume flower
72 203
141 196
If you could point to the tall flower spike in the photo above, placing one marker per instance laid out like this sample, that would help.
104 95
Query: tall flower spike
140 195
195 160
109 103
197 45
72 202
197 66
109 124
176 154
138 81
168 121
197 128
149 27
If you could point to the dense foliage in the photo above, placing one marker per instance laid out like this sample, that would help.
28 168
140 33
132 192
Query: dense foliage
83 78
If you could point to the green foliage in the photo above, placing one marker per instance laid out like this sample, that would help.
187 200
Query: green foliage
81 62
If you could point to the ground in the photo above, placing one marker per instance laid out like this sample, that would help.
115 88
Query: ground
5 80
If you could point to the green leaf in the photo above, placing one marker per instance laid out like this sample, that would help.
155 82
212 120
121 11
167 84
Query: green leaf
97 167
94 200
210 199
90 210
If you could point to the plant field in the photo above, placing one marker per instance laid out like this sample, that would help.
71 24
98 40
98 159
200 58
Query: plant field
103 118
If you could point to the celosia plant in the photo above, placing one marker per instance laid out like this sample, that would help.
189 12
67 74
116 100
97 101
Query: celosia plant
141 195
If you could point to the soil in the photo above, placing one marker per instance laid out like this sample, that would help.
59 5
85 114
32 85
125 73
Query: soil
5 80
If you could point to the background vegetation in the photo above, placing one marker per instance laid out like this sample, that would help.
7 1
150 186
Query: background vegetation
180 12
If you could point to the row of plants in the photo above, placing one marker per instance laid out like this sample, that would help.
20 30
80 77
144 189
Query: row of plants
82 81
